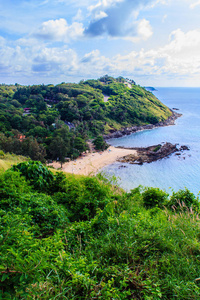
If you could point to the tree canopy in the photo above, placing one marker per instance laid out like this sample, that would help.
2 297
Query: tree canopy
86 110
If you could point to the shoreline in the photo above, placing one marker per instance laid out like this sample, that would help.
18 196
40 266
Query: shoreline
91 163
128 130
152 153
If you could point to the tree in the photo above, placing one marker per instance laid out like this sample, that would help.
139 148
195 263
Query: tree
100 144
80 144
31 148
59 149
16 122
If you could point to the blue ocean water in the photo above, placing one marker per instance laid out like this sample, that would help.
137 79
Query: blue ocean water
174 172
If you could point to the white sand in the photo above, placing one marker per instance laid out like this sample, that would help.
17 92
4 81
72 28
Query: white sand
92 162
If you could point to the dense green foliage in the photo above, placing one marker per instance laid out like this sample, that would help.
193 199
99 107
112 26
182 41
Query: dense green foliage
153 197
99 143
69 237
54 122
36 173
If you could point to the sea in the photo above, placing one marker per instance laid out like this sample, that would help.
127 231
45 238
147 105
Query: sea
176 171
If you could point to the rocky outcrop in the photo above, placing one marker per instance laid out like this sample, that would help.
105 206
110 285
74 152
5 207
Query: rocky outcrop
129 130
152 153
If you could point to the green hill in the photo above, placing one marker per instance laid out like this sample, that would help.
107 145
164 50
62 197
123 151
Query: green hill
68 237
50 122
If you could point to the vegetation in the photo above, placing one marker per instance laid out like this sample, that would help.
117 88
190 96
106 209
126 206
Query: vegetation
69 237
54 122
99 143
7 160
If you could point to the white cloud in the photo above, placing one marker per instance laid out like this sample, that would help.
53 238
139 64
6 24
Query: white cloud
13 60
100 15
79 16
95 64
182 52
144 29
103 4
59 30
193 5
28 57
55 60
179 57
118 19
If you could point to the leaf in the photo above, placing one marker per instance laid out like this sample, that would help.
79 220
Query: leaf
5 276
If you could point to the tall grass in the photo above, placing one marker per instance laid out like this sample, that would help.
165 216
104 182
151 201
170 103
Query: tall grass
8 159
85 239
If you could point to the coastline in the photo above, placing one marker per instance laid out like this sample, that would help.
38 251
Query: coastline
128 130
91 163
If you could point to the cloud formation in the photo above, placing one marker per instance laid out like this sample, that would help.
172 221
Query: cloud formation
54 60
38 52
180 56
59 30
116 18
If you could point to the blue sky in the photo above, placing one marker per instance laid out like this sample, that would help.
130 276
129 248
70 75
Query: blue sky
154 42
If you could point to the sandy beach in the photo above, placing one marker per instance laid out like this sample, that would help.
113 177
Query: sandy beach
91 163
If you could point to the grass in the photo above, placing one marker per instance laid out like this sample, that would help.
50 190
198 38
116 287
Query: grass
7 160
84 238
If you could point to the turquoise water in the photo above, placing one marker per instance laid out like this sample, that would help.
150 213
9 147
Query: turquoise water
174 172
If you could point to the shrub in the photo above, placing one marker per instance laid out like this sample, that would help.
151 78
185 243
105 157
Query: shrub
12 186
154 197
44 212
182 200
36 173
82 198
100 144
2 154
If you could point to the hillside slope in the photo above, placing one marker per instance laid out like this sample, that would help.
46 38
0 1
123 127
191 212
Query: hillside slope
50 122
69 237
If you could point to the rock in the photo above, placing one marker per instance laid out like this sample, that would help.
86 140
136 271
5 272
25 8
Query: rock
122 166
129 130
150 154
184 147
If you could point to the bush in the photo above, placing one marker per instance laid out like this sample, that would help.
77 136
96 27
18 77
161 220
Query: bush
154 197
12 186
82 198
100 144
39 176
2 154
183 200
44 213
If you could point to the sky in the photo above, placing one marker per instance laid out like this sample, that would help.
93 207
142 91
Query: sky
154 42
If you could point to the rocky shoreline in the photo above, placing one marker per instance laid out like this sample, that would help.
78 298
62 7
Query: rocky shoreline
151 153
129 130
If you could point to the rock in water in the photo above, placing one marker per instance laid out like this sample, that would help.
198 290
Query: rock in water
152 153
